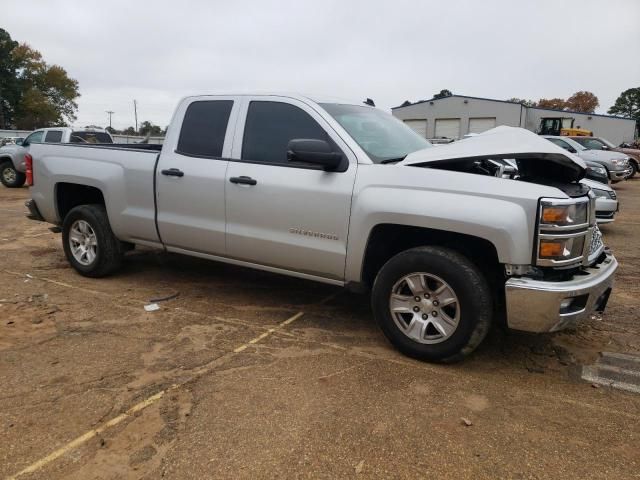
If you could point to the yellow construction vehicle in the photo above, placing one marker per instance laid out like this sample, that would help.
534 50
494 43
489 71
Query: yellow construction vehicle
562 126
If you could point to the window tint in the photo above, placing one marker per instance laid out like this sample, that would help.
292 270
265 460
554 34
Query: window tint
270 126
204 127
53 136
35 137
90 137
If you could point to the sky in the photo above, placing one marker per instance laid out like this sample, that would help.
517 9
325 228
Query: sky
390 51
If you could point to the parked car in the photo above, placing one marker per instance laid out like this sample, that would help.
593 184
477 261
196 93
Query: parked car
11 141
12 166
599 143
617 164
606 200
347 195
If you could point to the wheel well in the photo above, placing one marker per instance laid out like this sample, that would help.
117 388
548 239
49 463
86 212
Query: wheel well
387 240
6 158
70 195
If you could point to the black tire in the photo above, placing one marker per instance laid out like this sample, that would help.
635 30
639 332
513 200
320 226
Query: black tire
10 177
109 249
470 287
634 169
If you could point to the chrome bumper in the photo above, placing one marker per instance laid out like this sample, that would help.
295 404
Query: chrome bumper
539 306
619 175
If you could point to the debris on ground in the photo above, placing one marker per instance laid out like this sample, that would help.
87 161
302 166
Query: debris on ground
466 422
164 299
152 307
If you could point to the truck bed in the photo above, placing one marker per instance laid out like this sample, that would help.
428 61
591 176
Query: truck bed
124 173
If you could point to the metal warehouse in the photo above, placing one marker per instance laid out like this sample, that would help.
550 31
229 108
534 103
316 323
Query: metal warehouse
457 115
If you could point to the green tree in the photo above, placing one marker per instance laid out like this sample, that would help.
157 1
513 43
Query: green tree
148 128
583 101
9 89
628 104
47 94
129 131
443 93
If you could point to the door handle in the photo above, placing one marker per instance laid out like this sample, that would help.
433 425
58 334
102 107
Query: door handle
243 180
173 172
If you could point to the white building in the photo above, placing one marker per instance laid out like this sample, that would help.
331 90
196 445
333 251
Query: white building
458 115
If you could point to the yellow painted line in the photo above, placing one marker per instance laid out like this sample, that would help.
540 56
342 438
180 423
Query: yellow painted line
139 406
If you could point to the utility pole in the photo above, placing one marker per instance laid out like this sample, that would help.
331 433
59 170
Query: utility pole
135 113
110 112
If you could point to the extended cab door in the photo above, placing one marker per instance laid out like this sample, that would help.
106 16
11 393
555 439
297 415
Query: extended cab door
190 176
287 215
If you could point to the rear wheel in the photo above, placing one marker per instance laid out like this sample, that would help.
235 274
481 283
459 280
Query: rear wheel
432 303
89 244
10 177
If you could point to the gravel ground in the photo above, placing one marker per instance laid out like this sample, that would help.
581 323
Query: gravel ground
231 382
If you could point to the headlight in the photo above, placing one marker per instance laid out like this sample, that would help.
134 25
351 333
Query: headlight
560 249
563 226
562 215
619 162
601 193
599 170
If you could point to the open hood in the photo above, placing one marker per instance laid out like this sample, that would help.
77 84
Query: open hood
536 157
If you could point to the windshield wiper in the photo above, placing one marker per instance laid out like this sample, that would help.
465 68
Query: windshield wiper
393 160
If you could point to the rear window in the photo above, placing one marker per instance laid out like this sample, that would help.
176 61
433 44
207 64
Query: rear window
90 137
204 128
53 136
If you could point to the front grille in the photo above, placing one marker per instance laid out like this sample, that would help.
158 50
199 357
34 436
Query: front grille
596 241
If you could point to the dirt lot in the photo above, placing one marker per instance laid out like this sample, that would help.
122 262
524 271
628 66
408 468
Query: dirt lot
229 380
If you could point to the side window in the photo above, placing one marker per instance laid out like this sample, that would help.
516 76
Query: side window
35 137
204 127
53 136
270 126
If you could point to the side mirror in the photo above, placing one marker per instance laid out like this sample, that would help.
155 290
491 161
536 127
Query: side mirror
316 152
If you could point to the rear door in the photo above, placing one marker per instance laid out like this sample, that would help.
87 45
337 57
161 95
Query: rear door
287 215
190 176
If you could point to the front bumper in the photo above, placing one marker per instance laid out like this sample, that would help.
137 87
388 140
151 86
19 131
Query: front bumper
540 306
606 209
619 175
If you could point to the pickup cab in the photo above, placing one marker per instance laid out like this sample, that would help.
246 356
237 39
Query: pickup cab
12 166
347 195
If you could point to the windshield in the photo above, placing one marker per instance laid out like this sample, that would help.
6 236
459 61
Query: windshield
606 142
382 136
574 144
90 137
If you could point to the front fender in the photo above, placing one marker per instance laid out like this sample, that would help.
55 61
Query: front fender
457 202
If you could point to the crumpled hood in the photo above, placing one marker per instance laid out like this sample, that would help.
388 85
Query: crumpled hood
503 143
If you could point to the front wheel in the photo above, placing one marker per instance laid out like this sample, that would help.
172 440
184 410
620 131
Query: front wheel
10 177
89 244
432 303
634 169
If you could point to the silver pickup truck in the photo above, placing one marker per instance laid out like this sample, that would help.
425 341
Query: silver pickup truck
347 195
12 165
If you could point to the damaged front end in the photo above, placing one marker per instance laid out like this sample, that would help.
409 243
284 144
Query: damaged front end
571 273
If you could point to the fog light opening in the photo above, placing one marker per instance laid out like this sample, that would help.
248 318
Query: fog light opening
573 304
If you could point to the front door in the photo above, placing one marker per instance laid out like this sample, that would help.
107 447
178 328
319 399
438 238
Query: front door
282 214
190 176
